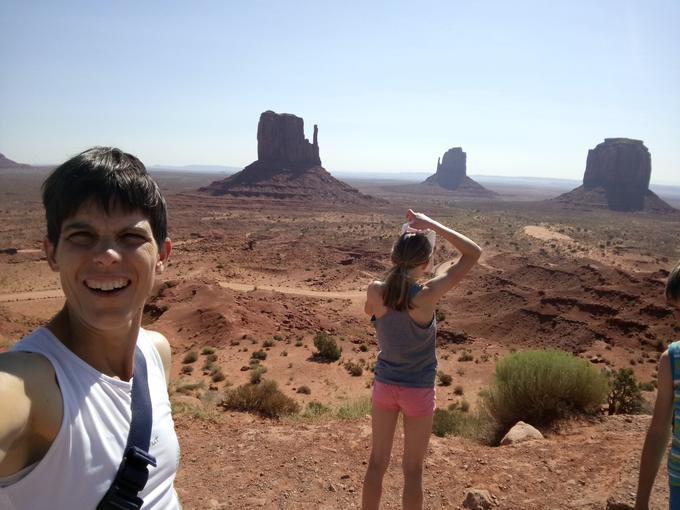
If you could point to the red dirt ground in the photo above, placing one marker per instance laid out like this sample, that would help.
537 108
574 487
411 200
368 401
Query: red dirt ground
246 271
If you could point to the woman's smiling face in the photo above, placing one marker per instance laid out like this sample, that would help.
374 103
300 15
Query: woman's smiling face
107 264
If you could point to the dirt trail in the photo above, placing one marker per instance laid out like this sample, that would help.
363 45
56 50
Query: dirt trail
353 295
30 296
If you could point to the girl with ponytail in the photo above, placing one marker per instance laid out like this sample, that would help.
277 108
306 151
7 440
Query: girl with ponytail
403 313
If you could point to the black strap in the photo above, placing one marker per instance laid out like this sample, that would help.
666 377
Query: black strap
133 472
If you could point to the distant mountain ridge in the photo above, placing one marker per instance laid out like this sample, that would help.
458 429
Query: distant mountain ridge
5 162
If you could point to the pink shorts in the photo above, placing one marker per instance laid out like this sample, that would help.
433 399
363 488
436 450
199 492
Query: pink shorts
413 402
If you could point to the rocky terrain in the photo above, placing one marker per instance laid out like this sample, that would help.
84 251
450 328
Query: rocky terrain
268 274
617 177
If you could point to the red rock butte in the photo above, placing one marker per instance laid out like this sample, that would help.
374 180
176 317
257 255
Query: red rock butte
288 167
617 177
451 174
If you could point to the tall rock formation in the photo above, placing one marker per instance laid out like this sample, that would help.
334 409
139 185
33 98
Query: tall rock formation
617 176
451 169
287 167
451 174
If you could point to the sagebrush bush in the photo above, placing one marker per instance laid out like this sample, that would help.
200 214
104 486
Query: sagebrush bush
624 396
541 386
327 347
264 399
444 378
354 368
458 422
190 357
259 355
208 350
304 389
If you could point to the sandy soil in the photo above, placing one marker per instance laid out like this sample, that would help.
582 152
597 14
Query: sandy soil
254 274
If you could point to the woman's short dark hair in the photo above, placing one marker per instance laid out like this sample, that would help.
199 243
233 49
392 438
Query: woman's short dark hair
673 286
107 177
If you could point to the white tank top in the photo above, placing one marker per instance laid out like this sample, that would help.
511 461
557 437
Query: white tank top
77 470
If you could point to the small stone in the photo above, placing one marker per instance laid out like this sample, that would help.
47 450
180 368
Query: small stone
478 499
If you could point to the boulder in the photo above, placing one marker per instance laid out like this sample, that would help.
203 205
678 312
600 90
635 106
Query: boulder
623 168
519 433
478 499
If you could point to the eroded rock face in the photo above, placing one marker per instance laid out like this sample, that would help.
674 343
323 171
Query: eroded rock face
288 168
281 142
623 168
451 169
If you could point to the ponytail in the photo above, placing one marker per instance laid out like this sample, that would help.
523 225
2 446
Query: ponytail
396 294
410 250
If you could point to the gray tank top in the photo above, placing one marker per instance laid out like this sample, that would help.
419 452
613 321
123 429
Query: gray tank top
407 351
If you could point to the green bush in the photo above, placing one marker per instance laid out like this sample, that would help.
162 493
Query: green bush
190 357
625 396
268 343
208 350
541 386
259 355
256 373
466 356
444 378
458 422
354 368
264 399
327 347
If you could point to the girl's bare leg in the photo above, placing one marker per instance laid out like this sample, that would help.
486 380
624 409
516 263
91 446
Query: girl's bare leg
383 424
417 431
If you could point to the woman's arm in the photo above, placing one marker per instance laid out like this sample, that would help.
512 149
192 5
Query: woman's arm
658 434
470 252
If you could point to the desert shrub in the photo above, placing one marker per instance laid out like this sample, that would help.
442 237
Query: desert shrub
458 390
299 343
268 343
256 373
188 388
305 390
540 386
354 368
259 355
444 379
264 399
190 357
187 369
315 408
363 347
624 395
456 422
466 356
354 409
210 358
208 350
327 347
218 375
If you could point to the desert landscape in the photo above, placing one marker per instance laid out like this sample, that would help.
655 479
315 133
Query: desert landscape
265 260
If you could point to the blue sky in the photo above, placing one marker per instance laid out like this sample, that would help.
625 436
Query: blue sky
526 88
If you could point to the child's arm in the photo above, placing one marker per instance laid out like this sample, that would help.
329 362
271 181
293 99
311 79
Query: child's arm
449 276
658 434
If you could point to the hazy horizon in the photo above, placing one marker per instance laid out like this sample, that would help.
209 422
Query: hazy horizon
526 89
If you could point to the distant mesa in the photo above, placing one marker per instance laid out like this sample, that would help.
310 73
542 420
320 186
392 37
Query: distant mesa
8 163
288 166
451 174
617 177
